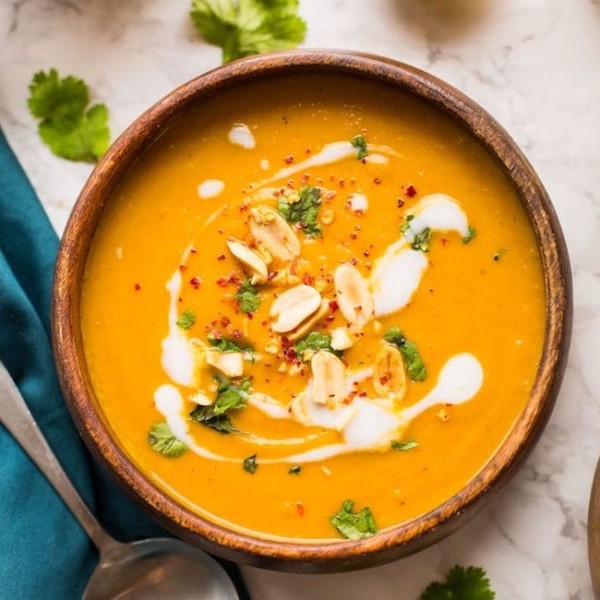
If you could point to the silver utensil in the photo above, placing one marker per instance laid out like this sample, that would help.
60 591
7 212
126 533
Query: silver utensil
594 532
153 569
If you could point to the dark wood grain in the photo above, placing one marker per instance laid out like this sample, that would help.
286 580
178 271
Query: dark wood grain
389 544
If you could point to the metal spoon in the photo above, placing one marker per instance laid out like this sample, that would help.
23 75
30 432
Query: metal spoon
594 532
149 569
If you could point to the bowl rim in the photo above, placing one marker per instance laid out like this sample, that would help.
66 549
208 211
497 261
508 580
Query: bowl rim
290 555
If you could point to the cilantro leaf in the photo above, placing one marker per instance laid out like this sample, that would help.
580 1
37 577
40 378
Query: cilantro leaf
162 440
186 319
247 297
359 142
354 525
66 127
230 397
418 241
295 470
250 465
404 446
223 344
472 233
245 27
303 210
315 340
470 583
410 353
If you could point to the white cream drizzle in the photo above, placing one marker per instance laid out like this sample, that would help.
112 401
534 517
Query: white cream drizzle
210 188
358 201
240 135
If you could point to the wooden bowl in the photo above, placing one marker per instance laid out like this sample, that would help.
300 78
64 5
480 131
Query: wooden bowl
391 543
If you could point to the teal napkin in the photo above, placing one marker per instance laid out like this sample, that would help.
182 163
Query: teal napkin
43 551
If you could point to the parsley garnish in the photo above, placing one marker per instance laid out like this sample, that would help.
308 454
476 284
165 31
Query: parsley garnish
305 211
245 27
470 583
315 340
223 344
230 396
354 525
418 241
247 297
410 353
295 470
404 446
67 126
186 319
359 142
472 232
250 465
162 440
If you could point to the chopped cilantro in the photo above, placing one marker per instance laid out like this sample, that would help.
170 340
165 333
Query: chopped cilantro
418 241
245 27
359 142
230 396
354 525
304 211
223 344
162 440
67 126
404 446
250 465
247 297
410 353
470 583
186 319
472 232
315 340
295 470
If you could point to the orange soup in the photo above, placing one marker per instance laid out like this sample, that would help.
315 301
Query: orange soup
313 309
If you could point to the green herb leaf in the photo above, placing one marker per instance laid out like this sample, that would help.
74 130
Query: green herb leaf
410 353
248 298
354 525
472 233
230 397
418 241
186 319
250 465
223 344
304 210
162 440
66 127
295 470
359 142
470 583
245 27
404 446
316 341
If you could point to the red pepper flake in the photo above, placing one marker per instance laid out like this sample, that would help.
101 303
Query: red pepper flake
376 181
220 231
362 394
193 250
237 334
244 207
399 202
225 320
333 306
410 191
183 267
305 177
137 287
288 160
291 184
358 212
250 315
353 236
223 281
300 508
365 253
329 195
330 318
308 279
368 266
221 257
341 183
196 282
215 333
308 151
445 241
353 262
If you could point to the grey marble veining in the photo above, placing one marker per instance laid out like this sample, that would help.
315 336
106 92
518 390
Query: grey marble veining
533 65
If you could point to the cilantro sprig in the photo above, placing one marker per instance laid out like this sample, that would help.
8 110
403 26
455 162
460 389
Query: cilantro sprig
304 210
315 341
354 525
461 583
186 320
230 397
248 298
250 465
417 371
67 126
404 445
360 143
245 27
162 440
225 345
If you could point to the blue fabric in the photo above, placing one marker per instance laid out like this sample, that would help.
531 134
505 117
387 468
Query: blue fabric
43 551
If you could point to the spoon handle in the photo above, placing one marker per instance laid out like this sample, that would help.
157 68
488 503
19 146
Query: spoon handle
594 532
17 418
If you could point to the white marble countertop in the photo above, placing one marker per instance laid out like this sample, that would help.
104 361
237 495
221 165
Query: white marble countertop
535 66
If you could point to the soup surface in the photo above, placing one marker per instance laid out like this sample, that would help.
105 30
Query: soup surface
313 309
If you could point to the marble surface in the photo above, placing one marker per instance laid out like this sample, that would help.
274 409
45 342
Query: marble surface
534 65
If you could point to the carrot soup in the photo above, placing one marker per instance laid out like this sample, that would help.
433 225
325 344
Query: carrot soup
313 309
